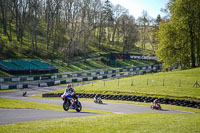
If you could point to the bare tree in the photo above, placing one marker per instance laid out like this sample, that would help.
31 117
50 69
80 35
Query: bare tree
4 5
35 13
22 18
129 32
143 22
117 12
50 9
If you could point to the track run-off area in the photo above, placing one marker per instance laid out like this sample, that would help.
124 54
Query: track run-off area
8 116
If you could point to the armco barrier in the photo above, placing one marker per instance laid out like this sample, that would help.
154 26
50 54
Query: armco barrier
177 102
13 86
42 85
136 71
154 68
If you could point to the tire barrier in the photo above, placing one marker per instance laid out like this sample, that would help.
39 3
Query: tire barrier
184 103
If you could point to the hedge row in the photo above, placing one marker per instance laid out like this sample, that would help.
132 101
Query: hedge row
177 102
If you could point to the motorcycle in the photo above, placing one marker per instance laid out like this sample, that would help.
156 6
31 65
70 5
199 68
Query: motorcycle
157 106
98 100
71 103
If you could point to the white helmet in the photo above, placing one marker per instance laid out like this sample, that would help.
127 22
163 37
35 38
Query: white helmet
69 85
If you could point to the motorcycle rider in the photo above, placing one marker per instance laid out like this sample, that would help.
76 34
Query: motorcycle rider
97 97
71 91
156 104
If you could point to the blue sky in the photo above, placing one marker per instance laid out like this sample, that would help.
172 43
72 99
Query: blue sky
136 7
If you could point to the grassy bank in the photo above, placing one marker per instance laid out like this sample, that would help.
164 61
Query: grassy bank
91 64
138 122
12 103
175 84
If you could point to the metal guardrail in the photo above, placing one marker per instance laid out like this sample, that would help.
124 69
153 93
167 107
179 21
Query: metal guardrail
91 76
5 80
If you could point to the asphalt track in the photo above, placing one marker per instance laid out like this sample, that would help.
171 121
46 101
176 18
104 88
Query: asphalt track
8 116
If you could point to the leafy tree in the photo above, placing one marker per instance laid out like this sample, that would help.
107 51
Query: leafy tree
179 38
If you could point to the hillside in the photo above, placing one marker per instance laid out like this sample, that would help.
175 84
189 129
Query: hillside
178 84
78 60
53 31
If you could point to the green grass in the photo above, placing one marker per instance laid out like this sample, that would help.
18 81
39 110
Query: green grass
4 74
10 90
171 88
115 123
97 64
91 64
20 104
12 103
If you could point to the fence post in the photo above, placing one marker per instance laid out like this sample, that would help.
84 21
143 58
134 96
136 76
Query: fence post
132 83
104 83
180 83
196 84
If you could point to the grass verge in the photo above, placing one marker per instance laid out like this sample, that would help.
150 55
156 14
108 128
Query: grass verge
176 84
123 123
20 104
12 103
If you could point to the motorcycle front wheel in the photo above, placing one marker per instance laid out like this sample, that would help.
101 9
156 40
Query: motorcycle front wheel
79 106
66 105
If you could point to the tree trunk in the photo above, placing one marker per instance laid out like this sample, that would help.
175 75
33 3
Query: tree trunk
10 30
124 46
198 50
192 47
4 13
100 36
113 35
47 33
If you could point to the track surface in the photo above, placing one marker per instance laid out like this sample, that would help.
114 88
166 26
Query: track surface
8 116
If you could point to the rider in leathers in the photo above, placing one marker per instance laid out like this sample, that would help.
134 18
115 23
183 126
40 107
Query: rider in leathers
71 91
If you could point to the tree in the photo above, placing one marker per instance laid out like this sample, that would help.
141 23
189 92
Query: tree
34 10
152 30
129 32
22 16
65 28
4 5
144 23
180 35
117 12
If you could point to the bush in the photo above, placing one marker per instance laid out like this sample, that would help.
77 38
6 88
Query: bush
104 60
